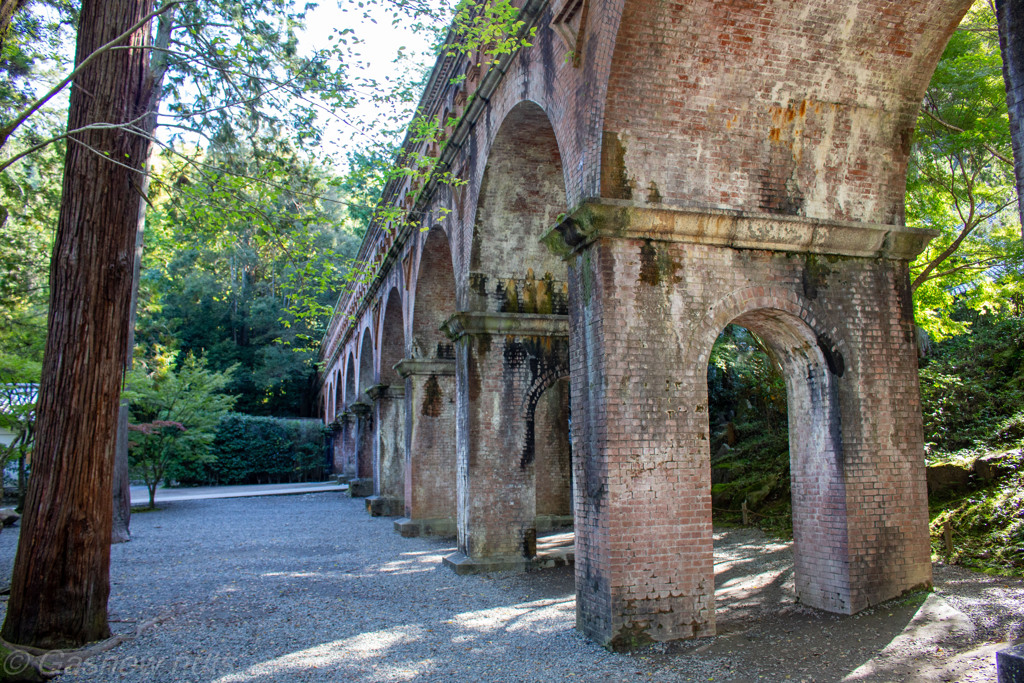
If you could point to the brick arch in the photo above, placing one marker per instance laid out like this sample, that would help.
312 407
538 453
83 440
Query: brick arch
817 328
392 346
521 194
350 380
433 297
813 365
366 364
550 369
799 108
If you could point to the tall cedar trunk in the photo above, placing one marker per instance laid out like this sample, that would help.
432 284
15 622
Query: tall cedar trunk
120 531
61 580
1010 15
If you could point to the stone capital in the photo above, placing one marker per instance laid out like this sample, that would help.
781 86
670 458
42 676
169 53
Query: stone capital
408 367
594 219
515 324
385 391
360 409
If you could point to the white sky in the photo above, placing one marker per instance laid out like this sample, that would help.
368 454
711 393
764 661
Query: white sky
379 48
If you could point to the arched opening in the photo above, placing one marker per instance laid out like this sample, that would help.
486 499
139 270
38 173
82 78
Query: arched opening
435 298
389 405
750 479
552 467
511 345
366 378
392 347
338 399
521 195
774 434
350 382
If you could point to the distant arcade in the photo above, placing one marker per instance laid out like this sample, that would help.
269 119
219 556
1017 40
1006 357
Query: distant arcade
641 176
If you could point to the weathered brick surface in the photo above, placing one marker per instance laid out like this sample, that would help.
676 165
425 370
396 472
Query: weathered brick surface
553 452
500 379
645 315
389 445
802 108
788 121
430 435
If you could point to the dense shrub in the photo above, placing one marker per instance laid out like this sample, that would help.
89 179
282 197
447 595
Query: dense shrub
248 449
972 389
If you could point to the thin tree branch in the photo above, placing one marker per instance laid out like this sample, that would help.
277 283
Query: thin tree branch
994 152
5 132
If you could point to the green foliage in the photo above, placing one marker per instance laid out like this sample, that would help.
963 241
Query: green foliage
174 415
987 525
749 431
960 182
19 381
972 388
247 249
249 449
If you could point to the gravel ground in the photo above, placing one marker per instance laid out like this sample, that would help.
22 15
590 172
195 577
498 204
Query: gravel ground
310 588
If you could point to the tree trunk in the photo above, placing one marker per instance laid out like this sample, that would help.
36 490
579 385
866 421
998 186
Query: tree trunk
8 8
120 532
1010 15
120 523
61 580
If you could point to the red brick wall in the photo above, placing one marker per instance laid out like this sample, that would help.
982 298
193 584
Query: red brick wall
552 459
802 108
645 315
430 459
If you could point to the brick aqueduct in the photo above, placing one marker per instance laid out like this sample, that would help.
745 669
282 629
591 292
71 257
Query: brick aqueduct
643 174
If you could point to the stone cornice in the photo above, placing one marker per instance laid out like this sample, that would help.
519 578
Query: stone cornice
424 366
360 409
597 218
515 324
385 391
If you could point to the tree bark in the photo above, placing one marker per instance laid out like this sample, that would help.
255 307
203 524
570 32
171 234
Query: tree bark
8 8
120 532
61 582
1010 17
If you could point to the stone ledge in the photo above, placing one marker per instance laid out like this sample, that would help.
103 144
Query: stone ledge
424 366
413 528
385 506
360 488
462 564
599 218
515 324
385 391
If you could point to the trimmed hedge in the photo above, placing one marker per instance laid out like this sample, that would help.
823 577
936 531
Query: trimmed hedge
249 449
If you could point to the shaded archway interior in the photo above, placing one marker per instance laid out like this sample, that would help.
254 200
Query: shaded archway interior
818 491
521 195
435 298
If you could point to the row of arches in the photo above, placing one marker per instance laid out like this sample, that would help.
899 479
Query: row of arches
605 239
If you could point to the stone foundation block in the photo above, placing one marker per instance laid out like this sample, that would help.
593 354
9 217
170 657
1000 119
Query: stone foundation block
1010 664
384 506
462 564
360 488
411 528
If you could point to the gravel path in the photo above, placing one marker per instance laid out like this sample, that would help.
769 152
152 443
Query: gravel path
310 588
